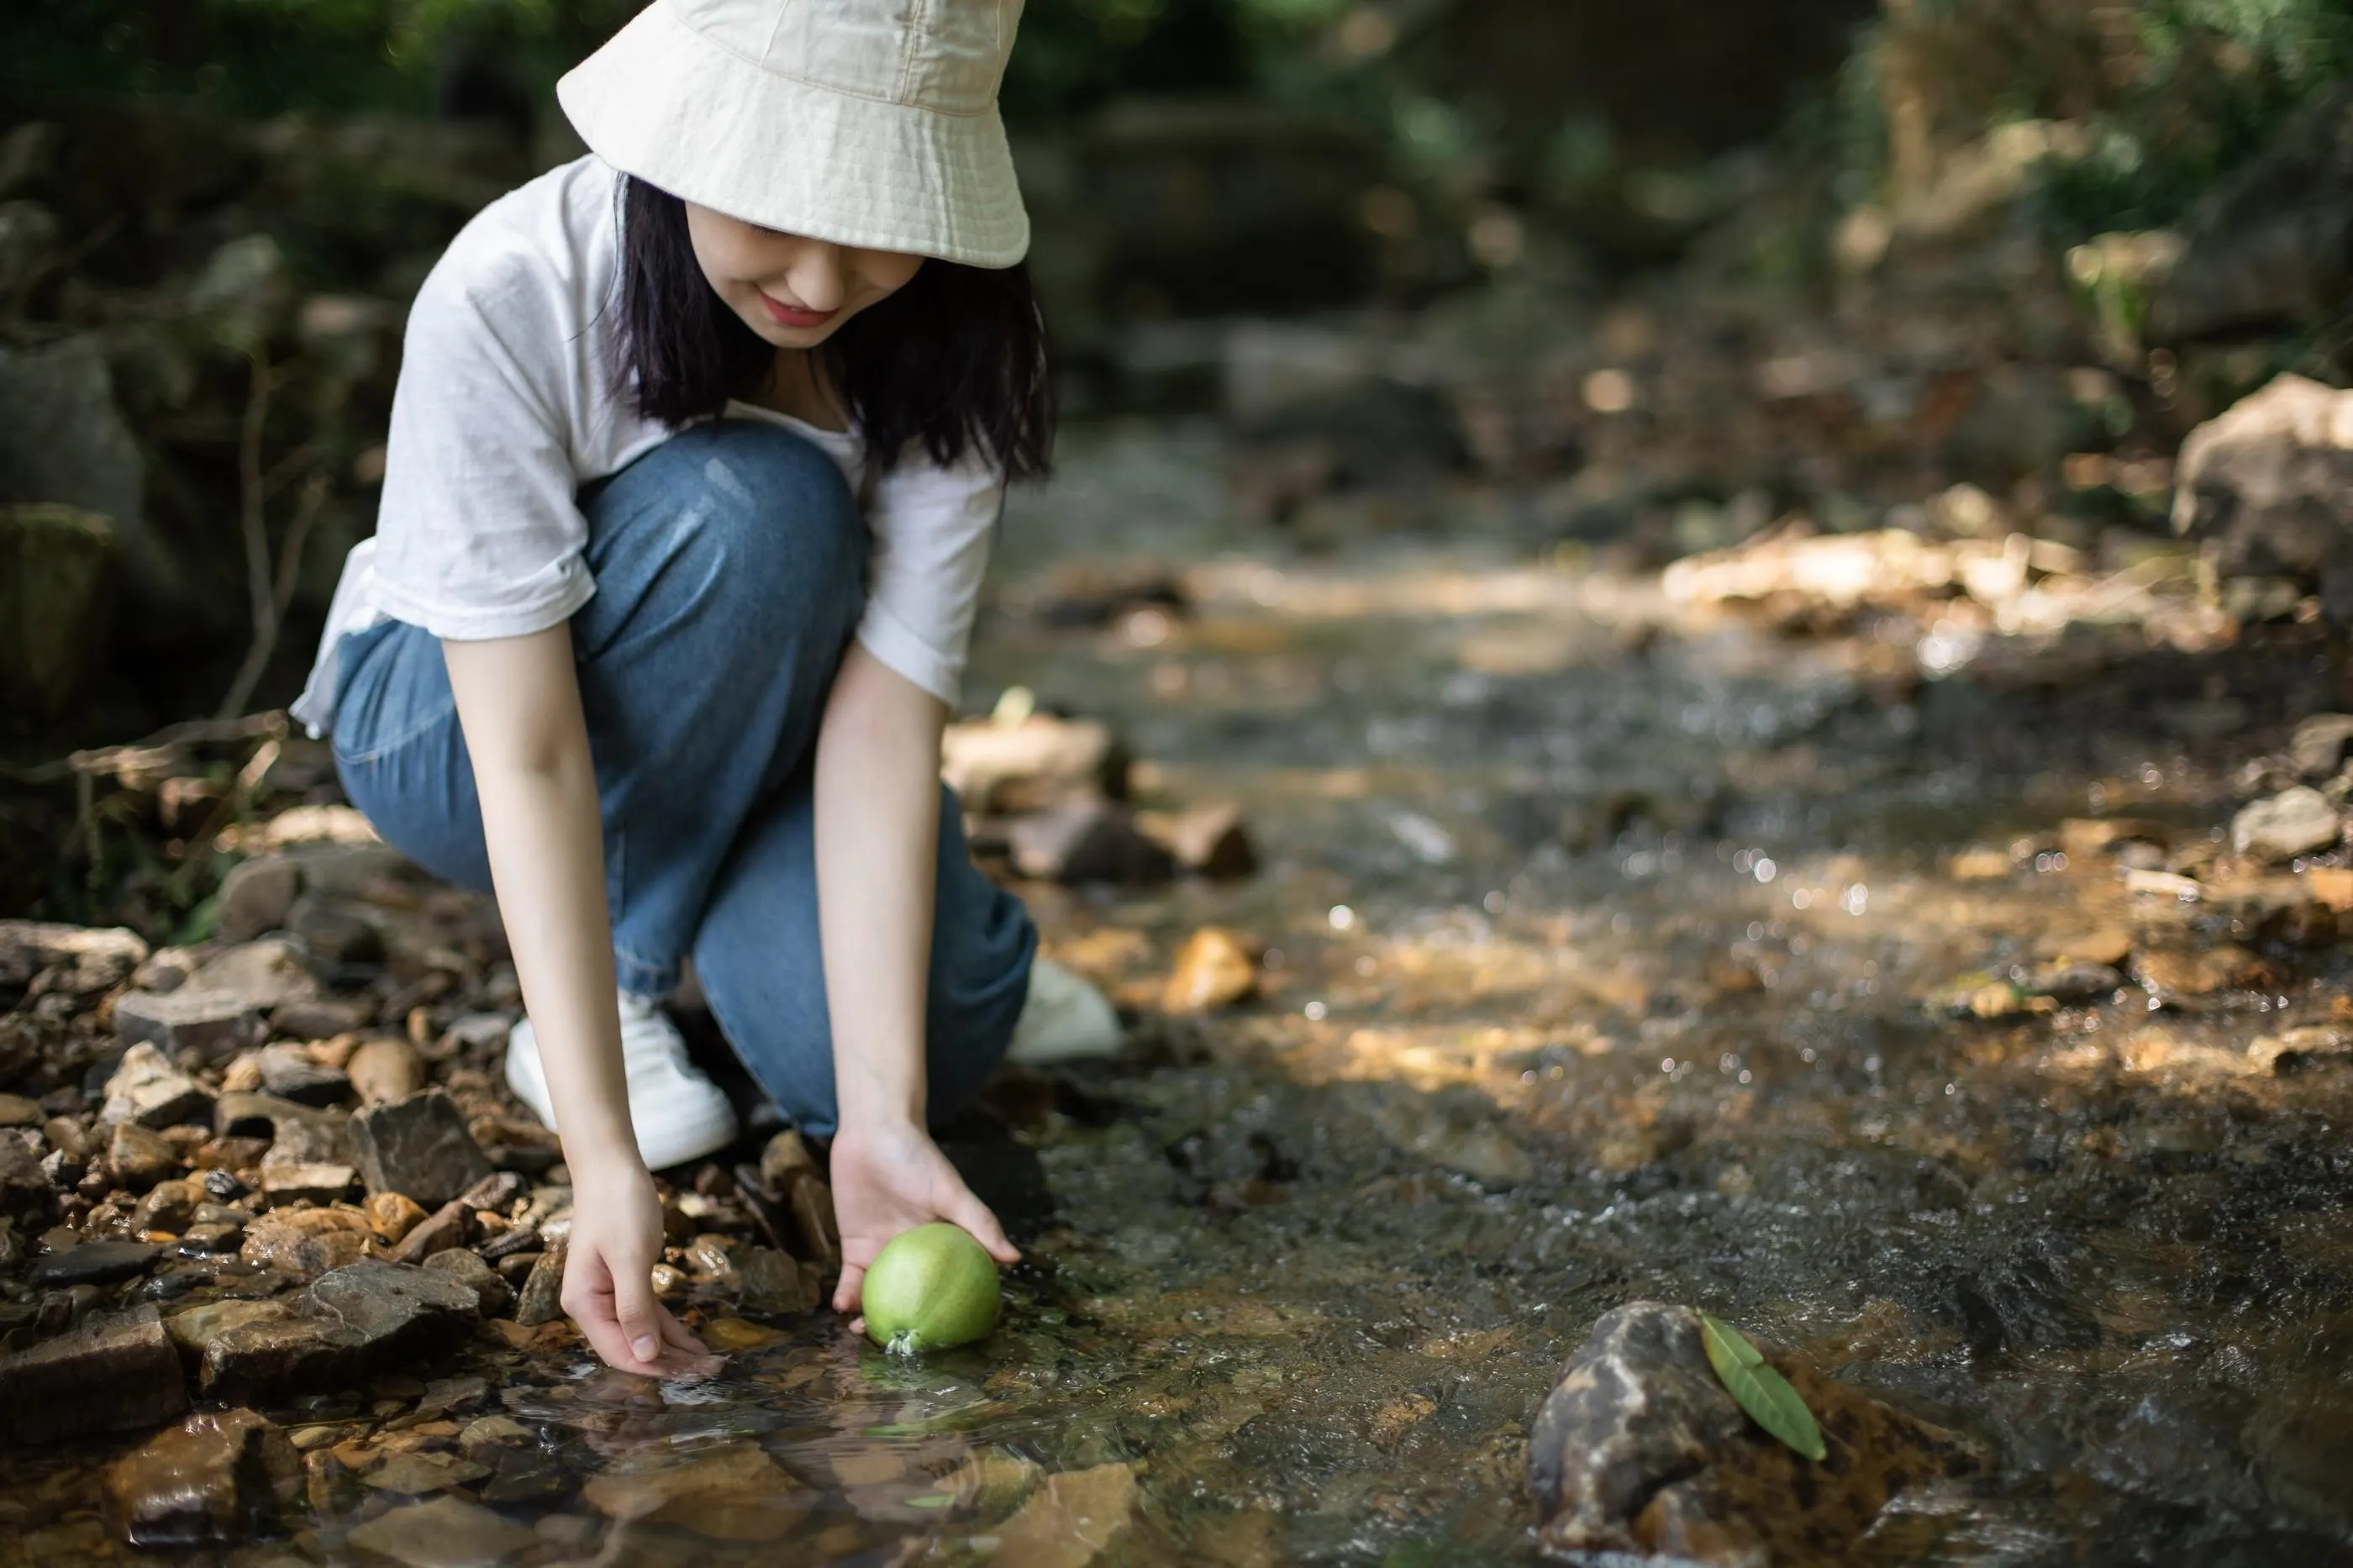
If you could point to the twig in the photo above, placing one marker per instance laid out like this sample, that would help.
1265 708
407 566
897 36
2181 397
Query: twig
154 751
272 613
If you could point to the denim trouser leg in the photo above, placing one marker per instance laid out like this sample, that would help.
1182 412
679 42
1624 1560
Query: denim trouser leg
728 563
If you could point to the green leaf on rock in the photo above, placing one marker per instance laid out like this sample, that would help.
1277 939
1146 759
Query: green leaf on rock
1762 1392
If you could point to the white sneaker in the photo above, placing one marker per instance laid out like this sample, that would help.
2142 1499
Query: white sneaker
678 1114
1064 1019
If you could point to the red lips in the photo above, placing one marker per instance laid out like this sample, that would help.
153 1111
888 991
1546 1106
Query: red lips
788 316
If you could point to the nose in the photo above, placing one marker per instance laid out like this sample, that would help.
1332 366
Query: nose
817 276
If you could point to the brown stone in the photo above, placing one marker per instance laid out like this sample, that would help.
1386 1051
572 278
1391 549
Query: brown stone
23 1185
391 1215
352 1323
732 1492
1214 969
79 960
786 1153
304 1242
224 1007
305 1182
256 895
493 1293
1009 769
294 1072
139 1158
767 1281
169 1205
212 1481
386 1070
541 1300
115 1373
1640 1450
2203 971
445 1227
811 1202
1206 840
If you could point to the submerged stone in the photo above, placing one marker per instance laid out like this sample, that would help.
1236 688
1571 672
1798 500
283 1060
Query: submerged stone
1640 1449
212 1481
116 1371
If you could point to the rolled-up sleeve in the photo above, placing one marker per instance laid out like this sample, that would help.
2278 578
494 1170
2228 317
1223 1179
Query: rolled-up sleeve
933 526
479 535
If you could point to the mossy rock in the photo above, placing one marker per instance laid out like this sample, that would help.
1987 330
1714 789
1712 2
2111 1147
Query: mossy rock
55 573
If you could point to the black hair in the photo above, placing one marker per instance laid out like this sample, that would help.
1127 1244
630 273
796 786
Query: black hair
956 359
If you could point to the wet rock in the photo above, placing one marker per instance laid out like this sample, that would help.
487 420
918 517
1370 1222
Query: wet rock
304 1242
322 1018
419 1146
256 895
731 1492
767 1281
1094 841
2272 478
493 1293
385 1071
2292 1050
1459 1139
1005 769
417 1474
447 1226
2074 983
1072 1520
787 1153
212 1481
148 1090
291 1072
1207 841
351 1323
215 1227
2317 748
2202 972
224 1005
445 1532
91 1263
139 1158
1641 1450
1215 968
115 1373
541 1300
195 1329
2298 821
78 960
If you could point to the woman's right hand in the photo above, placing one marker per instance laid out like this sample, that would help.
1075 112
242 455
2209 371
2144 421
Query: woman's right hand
617 1235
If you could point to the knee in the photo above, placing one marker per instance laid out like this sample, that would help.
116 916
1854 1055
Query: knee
772 524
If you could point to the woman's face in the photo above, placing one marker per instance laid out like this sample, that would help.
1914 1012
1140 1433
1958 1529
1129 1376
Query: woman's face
794 292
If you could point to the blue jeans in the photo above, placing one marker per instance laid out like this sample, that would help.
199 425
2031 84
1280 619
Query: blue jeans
730 565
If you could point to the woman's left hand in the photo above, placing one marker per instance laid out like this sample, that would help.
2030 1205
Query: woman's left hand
890 1177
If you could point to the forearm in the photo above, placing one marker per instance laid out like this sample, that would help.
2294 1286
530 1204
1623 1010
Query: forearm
537 787
877 809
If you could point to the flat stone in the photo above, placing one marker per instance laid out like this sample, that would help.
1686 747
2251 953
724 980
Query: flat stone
138 1157
319 1018
16 1110
419 1146
444 1532
292 1073
732 1492
1206 840
1072 1520
116 1371
386 1071
308 1182
195 1329
391 1215
149 1091
444 1228
2271 478
417 1474
91 1263
2294 822
1640 1450
79 960
349 1324
225 1006
1039 764
336 931
212 1481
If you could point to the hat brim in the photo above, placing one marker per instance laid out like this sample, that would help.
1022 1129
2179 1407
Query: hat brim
666 104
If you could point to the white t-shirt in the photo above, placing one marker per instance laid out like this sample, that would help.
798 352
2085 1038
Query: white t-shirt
509 401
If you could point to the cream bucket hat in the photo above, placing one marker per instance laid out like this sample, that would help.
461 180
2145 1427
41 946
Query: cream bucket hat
867 122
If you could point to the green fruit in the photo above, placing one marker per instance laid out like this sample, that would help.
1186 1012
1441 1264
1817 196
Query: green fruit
931 1288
